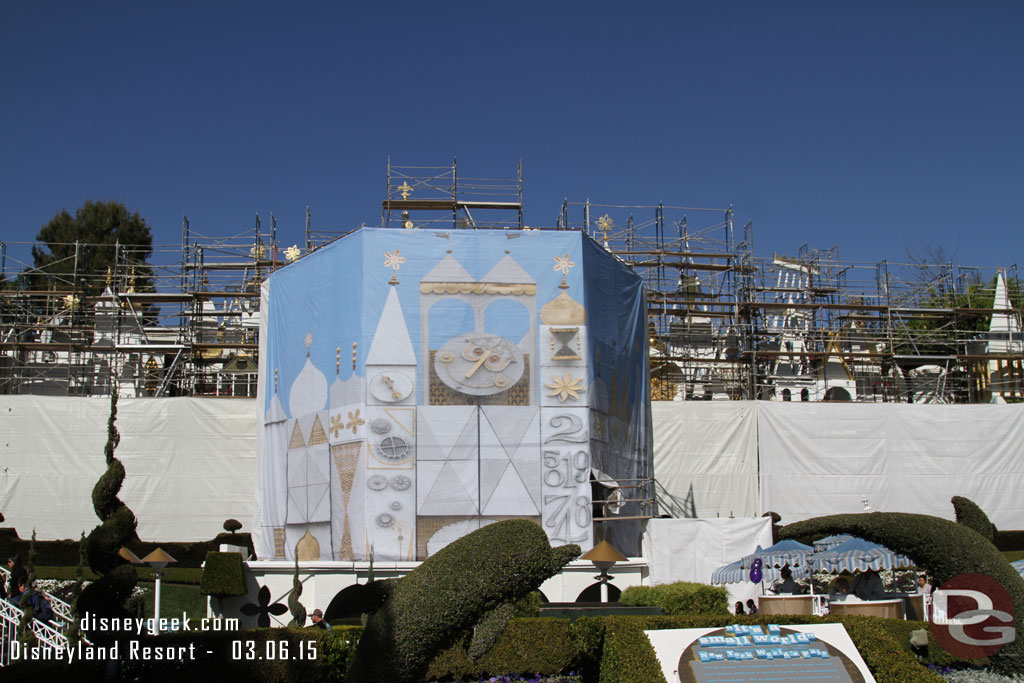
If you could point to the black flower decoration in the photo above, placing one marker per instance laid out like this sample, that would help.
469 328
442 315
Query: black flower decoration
263 608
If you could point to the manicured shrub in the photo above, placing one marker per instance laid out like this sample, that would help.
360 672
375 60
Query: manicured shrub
448 593
970 515
529 605
942 547
627 654
224 575
680 598
527 647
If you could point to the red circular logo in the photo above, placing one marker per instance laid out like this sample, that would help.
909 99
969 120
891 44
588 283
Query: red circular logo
972 616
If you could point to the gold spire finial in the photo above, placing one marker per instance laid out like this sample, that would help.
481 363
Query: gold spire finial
405 189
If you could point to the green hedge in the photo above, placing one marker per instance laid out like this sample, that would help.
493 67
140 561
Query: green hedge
970 515
528 646
627 654
65 552
172 574
680 598
223 575
1009 540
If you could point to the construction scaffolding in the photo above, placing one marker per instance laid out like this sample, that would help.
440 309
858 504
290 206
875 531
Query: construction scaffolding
185 321
724 323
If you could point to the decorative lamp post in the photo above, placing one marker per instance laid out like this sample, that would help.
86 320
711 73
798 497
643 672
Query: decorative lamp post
158 559
604 556
129 555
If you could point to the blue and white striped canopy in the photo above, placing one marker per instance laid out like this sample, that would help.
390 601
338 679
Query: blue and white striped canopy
830 542
1019 566
735 573
777 556
858 555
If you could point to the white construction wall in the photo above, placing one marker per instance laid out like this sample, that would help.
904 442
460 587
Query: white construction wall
190 464
826 458
812 459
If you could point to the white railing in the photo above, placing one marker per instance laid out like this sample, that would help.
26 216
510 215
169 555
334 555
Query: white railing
48 639
10 617
61 610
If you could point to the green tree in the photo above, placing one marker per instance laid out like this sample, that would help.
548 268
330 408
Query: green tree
84 246
959 316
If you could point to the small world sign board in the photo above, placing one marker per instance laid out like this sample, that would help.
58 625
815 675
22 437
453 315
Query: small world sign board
750 653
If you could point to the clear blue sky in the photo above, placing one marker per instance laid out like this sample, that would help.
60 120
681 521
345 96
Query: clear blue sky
874 126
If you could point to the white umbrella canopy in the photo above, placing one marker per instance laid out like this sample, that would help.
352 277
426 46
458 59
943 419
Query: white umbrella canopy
858 555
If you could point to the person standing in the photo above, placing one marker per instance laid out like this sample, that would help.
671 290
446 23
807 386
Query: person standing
925 588
751 607
318 620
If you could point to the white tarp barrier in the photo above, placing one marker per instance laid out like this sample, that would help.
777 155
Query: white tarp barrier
691 549
190 464
705 458
819 459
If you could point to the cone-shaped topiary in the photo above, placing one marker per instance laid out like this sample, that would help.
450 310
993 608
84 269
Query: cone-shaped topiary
942 547
107 596
424 612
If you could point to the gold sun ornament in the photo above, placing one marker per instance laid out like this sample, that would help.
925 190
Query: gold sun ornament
354 421
393 260
565 387
562 265
292 253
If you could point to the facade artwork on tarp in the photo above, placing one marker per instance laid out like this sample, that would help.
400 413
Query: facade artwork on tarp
418 384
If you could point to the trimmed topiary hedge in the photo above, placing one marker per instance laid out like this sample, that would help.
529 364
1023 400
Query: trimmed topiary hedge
426 611
942 547
680 598
970 515
528 646
627 654
1009 540
65 552
223 575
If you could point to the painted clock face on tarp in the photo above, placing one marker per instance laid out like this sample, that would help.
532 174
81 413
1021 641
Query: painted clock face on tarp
755 570
479 364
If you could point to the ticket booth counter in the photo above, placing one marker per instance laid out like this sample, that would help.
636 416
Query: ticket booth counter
785 604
